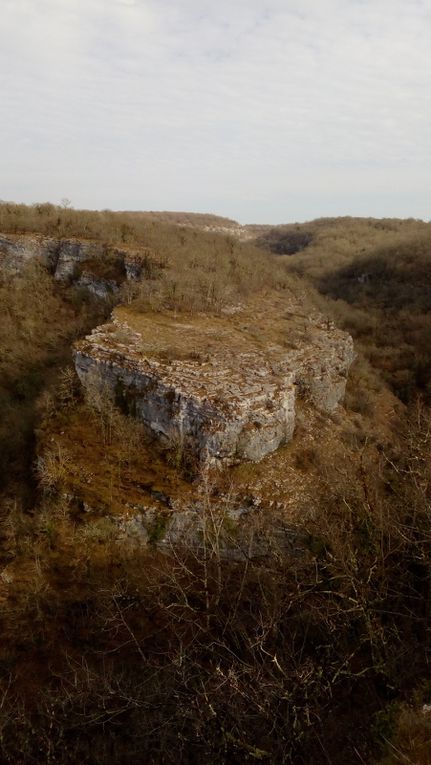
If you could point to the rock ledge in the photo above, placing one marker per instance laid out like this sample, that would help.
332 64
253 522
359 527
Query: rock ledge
225 387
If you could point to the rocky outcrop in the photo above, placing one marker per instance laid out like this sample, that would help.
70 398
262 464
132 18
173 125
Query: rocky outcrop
94 266
99 287
62 257
72 254
222 388
16 251
139 263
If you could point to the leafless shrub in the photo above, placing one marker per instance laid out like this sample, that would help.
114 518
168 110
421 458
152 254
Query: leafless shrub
52 467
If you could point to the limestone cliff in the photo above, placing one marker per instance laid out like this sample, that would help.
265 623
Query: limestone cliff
225 387
94 266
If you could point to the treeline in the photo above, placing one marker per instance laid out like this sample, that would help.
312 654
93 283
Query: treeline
190 269
113 227
335 242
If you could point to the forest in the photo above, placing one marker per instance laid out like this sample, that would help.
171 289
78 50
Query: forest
316 651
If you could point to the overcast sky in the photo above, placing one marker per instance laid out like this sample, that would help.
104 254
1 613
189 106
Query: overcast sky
261 110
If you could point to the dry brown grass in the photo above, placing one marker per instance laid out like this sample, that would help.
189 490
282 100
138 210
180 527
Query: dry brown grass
410 742
112 465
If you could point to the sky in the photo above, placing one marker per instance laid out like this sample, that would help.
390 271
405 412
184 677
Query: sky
265 111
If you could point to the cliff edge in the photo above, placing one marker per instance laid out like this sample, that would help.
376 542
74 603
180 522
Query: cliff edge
226 387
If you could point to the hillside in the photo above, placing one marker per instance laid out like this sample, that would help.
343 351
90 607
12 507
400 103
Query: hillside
106 225
374 276
215 541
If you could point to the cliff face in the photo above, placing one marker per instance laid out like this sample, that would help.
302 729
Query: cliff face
16 251
91 265
224 388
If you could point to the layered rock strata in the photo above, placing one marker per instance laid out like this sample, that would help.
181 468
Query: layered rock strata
92 265
223 388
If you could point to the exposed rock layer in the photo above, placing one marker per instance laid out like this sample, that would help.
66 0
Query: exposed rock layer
92 265
224 388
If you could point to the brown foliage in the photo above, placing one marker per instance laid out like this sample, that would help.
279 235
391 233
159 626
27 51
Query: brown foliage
191 656
374 275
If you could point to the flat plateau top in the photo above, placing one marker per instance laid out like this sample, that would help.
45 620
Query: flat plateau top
243 329
250 351
272 328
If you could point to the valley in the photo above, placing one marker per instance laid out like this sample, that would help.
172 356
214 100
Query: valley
215 488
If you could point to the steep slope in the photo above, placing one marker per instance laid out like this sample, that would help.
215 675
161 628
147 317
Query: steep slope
224 386
374 275
161 608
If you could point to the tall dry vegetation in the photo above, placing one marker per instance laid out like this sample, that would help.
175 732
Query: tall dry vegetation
190 269
190 656
38 322
63 220
118 655
374 276
204 273
187 270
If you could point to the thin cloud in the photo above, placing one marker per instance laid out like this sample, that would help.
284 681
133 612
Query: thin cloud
146 105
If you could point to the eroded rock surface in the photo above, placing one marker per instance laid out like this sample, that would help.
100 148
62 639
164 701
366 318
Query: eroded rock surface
92 265
16 251
224 388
